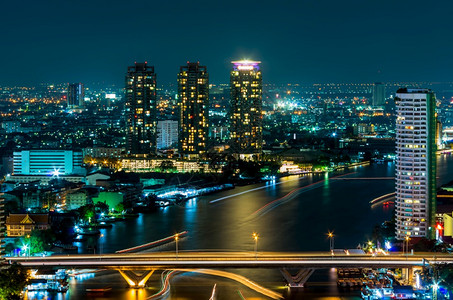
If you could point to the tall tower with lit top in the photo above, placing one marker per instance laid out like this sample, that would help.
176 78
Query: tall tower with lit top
245 117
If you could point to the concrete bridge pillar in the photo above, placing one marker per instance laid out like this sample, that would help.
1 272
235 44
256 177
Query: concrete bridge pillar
299 279
135 279
407 275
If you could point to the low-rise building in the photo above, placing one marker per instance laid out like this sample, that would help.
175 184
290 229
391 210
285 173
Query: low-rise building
144 165
92 179
103 152
44 179
23 224
75 200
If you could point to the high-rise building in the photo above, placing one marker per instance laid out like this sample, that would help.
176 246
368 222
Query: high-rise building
246 129
76 95
193 93
167 134
378 94
416 163
141 109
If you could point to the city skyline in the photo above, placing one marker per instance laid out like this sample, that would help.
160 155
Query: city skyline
307 42
256 142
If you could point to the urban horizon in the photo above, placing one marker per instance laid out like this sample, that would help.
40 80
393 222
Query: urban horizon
299 150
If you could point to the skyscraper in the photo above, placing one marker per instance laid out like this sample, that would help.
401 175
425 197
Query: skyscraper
416 163
193 93
76 95
245 116
378 94
141 109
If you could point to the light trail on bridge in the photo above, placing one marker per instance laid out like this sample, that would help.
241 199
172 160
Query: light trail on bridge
191 260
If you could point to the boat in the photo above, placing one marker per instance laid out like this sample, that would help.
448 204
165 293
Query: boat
103 225
90 231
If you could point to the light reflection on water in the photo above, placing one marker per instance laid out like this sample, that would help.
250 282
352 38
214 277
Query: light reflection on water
297 225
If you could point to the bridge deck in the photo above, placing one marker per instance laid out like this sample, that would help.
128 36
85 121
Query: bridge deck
169 260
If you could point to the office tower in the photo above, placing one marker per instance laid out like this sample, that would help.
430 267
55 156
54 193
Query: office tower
378 94
76 95
245 116
167 134
193 93
141 109
416 163
47 162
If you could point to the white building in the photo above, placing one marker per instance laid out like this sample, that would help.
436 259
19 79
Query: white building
101 152
47 162
167 134
416 163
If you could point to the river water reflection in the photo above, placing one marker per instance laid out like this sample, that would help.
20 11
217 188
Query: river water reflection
226 221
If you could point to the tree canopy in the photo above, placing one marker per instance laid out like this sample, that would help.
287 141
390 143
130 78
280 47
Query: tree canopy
13 280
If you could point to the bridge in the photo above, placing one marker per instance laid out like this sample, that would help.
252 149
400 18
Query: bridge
136 268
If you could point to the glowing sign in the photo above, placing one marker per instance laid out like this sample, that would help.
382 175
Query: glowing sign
246 68
110 96
245 65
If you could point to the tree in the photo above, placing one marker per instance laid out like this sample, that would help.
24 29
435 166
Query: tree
119 207
13 280
101 207
86 212
37 241
167 166
9 248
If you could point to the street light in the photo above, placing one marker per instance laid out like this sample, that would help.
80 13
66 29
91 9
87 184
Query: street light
100 244
407 238
255 237
176 240
332 240
25 247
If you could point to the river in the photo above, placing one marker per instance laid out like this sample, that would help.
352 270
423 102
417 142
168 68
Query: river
225 221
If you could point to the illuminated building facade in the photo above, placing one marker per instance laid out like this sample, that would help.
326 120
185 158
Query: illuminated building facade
193 92
416 163
76 95
141 109
378 94
167 134
246 129
47 162
23 224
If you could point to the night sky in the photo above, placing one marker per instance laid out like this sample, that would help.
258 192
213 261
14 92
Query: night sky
297 41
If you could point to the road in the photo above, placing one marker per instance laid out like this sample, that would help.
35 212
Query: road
213 260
